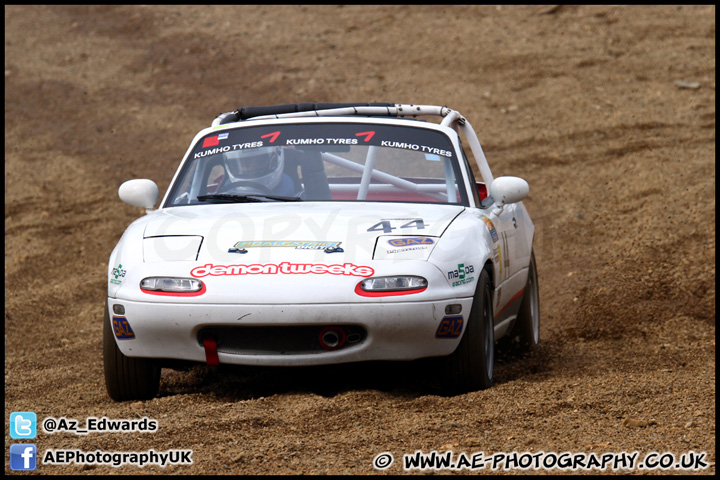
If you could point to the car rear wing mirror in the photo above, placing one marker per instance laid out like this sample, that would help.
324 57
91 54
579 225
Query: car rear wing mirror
139 193
506 190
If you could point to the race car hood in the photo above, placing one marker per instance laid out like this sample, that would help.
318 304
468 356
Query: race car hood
307 231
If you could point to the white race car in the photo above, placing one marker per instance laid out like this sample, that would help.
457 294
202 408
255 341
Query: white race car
309 234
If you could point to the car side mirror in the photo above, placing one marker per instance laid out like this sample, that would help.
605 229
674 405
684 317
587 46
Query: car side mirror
139 193
506 190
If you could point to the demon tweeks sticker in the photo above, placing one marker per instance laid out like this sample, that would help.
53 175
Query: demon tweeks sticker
284 268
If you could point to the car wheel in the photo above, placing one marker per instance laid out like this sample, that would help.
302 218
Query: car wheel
127 378
528 320
470 366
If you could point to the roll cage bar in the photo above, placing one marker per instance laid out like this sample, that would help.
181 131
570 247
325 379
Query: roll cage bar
451 118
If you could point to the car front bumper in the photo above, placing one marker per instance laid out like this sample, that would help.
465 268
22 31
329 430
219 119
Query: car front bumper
377 331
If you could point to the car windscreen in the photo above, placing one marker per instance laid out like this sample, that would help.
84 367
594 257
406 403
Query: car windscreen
321 162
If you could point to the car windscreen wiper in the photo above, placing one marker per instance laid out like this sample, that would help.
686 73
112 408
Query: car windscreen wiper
255 197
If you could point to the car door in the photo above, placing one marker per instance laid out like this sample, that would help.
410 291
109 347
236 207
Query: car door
510 251
503 222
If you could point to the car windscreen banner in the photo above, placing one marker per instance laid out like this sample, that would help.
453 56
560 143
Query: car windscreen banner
326 137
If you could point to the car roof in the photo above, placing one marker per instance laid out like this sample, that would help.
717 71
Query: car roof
377 109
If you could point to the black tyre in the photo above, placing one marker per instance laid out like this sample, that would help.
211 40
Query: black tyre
527 326
470 367
127 378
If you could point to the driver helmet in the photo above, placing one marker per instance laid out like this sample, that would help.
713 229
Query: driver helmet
263 166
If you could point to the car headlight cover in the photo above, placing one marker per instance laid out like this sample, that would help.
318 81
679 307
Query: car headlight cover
395 285
171 285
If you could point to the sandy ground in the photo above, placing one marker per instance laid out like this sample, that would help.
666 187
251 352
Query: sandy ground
607 111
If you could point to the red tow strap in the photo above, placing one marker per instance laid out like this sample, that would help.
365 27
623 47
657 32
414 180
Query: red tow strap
211 355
